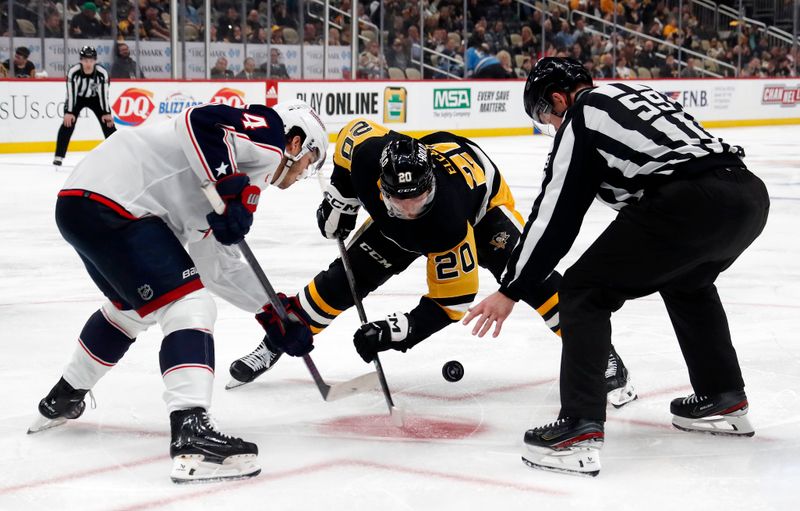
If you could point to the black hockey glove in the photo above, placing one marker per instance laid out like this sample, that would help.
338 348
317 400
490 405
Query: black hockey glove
241 201
393 333
336 215
293 337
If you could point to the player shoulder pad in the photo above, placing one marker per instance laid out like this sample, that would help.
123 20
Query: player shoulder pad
353 134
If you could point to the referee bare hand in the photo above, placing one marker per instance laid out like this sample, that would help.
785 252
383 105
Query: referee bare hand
495 308
69 120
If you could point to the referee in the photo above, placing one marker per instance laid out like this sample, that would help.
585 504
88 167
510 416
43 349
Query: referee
87 87
688 207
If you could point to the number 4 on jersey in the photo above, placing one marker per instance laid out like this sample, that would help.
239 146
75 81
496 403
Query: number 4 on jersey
252 122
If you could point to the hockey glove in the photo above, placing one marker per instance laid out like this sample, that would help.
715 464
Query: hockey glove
241 201
392 333
293 337
336 215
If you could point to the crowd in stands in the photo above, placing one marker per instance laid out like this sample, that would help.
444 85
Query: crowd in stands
501 39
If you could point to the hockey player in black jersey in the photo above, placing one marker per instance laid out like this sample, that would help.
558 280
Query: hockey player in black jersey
688 207
440 197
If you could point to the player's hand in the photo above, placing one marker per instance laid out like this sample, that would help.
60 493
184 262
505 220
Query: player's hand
293 337
495 308
241 201
108 120
336 215
69 120
390 333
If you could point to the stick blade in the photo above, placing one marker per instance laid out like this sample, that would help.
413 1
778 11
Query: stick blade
344 389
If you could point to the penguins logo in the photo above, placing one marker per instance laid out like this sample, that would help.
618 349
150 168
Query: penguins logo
499 240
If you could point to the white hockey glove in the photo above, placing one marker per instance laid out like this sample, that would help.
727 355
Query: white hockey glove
336 215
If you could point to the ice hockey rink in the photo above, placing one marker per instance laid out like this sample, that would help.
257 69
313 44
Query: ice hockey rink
460 447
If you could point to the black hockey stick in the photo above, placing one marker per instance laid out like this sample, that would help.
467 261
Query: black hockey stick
395 412
329 392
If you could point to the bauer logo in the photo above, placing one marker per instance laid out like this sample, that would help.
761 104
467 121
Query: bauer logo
176 103
133 107
447 99
230 97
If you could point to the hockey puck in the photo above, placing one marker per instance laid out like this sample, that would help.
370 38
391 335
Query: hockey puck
453 371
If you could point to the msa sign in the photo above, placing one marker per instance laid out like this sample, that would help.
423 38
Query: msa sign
451 98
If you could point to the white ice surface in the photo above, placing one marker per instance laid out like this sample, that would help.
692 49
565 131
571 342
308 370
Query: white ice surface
344 455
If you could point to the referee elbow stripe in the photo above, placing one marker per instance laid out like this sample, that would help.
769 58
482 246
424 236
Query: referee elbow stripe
548 305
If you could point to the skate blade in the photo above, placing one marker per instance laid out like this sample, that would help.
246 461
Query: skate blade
190 469
43 423
622 396
721 425
344 389
561 470
234 384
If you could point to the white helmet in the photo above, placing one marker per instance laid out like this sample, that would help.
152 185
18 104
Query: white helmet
298 114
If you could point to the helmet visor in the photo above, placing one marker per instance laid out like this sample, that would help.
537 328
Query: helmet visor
409 208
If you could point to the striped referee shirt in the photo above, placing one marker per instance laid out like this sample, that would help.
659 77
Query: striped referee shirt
617 141
83 86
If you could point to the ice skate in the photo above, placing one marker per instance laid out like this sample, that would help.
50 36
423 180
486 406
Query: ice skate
618 382
718 414
200 453
250 367
57 162
566 445
62 403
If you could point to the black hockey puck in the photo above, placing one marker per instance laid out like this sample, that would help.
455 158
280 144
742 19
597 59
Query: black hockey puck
453 371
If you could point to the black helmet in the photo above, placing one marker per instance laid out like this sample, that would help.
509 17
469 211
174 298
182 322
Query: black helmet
406 168
88 52
552 74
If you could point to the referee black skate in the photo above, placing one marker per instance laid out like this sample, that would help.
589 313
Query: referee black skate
688 207
87 87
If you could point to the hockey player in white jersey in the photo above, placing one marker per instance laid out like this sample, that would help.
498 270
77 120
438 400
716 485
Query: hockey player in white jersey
135 212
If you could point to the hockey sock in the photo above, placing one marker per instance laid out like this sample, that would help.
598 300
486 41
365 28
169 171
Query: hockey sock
187 366
100 346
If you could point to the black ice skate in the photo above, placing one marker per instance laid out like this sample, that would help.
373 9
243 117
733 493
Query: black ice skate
250 367
566 445
618 382
718 414
201 453
62 403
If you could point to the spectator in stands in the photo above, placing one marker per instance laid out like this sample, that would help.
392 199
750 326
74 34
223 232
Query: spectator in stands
398 54
371 64
453 67
497 38
564 38
154 27
277 69
577 53
670 28
23 68
259 36
106 23
413 42
226 22
281 16
580 29
126 27
670 68
607 65
691 71
53 26
73 9
124 66
85 24
249 71
505 60
528 44
646 57
594 71
220 70
489 66
253 22
753 68
236 35
623 71
334 38
310 34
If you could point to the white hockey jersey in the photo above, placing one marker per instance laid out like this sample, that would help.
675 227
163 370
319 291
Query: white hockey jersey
159 171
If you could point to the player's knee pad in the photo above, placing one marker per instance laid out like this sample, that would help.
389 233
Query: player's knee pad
129 322
195 311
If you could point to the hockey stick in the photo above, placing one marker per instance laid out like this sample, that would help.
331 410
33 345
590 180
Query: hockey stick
395 413
329 392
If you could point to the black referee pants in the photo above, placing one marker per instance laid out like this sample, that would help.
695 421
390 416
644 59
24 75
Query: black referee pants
65 134
676 241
